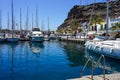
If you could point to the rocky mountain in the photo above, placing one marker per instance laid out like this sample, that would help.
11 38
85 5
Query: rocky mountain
82 13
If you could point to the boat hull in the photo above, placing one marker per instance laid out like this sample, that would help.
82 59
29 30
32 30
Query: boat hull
37 39
107 51
12 40
2 40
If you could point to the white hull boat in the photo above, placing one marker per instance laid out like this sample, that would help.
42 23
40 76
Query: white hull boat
46 38
109 48
37 35
2 39
12 40
37 39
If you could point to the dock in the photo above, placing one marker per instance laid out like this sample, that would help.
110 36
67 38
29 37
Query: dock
75 40
115 76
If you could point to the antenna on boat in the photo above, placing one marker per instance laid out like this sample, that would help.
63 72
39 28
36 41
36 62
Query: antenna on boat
107 19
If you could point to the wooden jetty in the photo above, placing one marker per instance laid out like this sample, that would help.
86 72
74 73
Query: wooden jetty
115 76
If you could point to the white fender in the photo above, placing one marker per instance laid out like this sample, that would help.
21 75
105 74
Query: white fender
111 50
95 47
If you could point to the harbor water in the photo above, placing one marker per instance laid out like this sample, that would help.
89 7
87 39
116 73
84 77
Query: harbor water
50 60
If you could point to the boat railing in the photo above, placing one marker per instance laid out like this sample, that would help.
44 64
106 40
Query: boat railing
89 58
94 65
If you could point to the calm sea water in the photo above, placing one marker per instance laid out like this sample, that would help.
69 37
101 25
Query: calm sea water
47 61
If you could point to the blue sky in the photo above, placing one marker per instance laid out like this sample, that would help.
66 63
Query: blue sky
57 11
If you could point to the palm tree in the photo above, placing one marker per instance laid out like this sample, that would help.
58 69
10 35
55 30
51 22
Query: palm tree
97 20
116 26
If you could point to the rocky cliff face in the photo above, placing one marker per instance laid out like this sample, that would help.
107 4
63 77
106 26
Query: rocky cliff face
82 13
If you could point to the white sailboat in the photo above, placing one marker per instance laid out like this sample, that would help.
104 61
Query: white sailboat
37 35
109 48
12 38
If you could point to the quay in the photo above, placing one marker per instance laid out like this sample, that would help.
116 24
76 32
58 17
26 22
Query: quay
115 76
75 40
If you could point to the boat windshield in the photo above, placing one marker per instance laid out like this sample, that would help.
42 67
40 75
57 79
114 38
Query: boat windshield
35 29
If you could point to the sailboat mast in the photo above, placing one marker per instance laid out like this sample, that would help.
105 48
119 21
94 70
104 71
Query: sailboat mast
80 2
8 21
42 25
37 25
12 18
107 19
0 20
48 24
27 18
91 15
32 21
20 19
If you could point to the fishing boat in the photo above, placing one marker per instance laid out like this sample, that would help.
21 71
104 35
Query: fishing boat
100 45
36 35
12 38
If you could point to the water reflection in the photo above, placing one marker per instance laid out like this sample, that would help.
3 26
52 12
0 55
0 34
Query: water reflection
75 54
36 47
58 61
